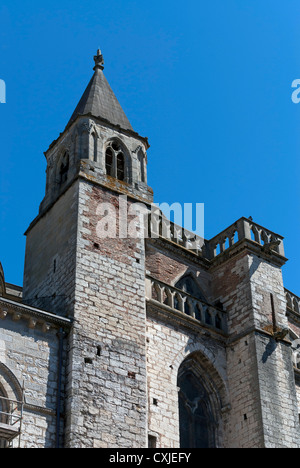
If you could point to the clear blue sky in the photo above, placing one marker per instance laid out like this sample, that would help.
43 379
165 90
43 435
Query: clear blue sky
209 83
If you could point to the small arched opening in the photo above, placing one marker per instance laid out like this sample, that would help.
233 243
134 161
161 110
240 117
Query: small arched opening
141 160
117 161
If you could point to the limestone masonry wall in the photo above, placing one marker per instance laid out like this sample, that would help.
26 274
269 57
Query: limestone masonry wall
167 347
49 272
107 374
29 357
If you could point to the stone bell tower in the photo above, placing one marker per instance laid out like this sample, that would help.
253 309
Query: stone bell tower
97 163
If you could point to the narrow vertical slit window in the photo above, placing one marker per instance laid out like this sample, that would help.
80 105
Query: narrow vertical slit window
151 441
120 166
109 162
142 167
274 321
64 168
95 146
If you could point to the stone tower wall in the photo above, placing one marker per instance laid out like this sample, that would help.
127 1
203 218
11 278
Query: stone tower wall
259 366
50 260
107 402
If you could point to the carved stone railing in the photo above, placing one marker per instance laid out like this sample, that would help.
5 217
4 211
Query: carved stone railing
243 228
160 226
292 301
169 296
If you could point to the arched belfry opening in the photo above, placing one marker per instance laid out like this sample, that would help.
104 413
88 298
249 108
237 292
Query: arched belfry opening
117 163
199 404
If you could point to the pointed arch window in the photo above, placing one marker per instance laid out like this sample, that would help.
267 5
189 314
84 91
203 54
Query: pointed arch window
189 285
196 421
4 410
115 161
141 159
109 162
95 146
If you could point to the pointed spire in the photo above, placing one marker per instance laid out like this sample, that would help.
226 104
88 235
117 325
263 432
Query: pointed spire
99 100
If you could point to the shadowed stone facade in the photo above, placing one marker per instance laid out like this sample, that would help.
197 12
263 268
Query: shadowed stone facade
145 340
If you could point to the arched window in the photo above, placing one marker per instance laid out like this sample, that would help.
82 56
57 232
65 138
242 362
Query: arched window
109 162
189 285
4 410
11 406
196 422
95 146
115 161
141 158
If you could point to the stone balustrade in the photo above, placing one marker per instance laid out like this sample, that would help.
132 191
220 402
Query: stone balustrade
243 228
183 302
160 226
293 301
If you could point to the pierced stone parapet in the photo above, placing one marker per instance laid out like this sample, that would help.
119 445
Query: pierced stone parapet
186 304
292 301
160 226
242 229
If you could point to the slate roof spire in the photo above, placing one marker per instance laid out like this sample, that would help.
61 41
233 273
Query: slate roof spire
99 100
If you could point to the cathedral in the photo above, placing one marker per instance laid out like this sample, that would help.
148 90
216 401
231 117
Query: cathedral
153 338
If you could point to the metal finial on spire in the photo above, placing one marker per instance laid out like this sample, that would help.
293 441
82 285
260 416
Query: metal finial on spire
99 61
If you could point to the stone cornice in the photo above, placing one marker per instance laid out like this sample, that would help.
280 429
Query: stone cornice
34 317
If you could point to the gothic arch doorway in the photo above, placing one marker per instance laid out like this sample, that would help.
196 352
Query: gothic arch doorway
199 406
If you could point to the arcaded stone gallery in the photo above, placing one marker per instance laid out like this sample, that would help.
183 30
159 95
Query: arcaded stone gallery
160 339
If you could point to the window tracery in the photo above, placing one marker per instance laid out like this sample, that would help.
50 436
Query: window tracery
115 161
189 285
197 428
